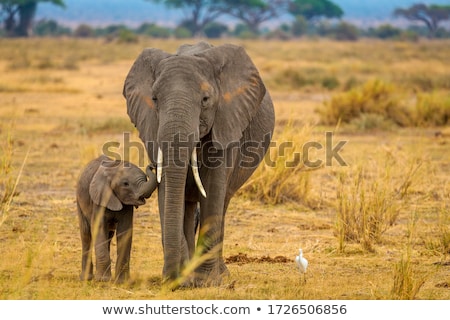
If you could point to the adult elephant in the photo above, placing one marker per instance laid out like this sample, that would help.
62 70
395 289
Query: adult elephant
206 103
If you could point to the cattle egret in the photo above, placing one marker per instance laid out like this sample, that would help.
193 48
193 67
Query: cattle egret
301 262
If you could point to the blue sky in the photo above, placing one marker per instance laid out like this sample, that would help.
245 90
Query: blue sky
135 12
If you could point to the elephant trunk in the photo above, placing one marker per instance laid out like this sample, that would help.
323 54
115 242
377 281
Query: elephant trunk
147 188
174 176
194 166
177 136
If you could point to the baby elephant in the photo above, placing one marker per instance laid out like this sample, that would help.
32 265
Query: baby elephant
107 191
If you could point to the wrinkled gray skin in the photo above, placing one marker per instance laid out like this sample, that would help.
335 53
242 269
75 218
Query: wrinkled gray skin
212 99
107 191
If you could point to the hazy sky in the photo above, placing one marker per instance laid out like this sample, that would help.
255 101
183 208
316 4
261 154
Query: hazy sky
134 12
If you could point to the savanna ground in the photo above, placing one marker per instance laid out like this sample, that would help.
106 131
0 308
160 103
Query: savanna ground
375 228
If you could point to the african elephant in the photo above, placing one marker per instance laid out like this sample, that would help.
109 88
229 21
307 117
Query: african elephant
107 191
208 107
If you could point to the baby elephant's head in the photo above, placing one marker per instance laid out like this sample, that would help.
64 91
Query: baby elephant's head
131 185
118 183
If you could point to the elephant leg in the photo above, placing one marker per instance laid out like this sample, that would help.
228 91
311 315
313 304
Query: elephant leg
87 267
189 226
222 266
124 240
110 236
211 229
187 247
102 253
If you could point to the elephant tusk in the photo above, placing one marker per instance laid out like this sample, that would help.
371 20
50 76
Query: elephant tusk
198 181
159 165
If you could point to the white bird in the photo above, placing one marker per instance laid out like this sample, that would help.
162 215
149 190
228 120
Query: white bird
301 261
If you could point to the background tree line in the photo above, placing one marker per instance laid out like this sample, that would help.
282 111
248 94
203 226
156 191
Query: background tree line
202 18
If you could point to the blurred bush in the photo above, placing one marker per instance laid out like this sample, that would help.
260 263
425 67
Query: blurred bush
374 97
381 105
431 109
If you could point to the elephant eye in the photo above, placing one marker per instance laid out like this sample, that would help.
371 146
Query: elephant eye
126 183
155 99
205 99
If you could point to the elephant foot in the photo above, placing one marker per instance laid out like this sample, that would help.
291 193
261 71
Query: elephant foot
103 277
210 277
202 277
122 278
86 277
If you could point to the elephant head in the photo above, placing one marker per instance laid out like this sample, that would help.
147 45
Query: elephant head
179 102
118 183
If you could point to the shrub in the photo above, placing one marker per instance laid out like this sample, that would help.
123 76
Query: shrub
154 31
431 110
182 33
346 32
50 28
374 97
215 30
298 78
330 82
127 36
110 31
242 31
84 31
409 35
368 205
407 280
247 34
386 31
278 34
351 83
407 283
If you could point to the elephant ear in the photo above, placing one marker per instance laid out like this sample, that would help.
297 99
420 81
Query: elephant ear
137 91
100 187
241 92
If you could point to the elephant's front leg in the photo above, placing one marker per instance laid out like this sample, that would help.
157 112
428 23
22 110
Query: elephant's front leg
188 239
102 256
189 227
124 240
210 239
86 252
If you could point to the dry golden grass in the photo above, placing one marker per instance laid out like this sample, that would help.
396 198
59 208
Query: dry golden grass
65 108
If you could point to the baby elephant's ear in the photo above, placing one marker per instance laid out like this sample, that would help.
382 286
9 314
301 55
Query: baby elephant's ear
100 188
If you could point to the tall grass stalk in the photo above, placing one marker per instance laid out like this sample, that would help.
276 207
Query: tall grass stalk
12 185
365 209
8 184
444 229
368 200
406 282
7 181
440 245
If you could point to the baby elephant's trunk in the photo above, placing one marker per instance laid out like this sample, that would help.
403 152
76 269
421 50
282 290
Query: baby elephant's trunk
148 187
